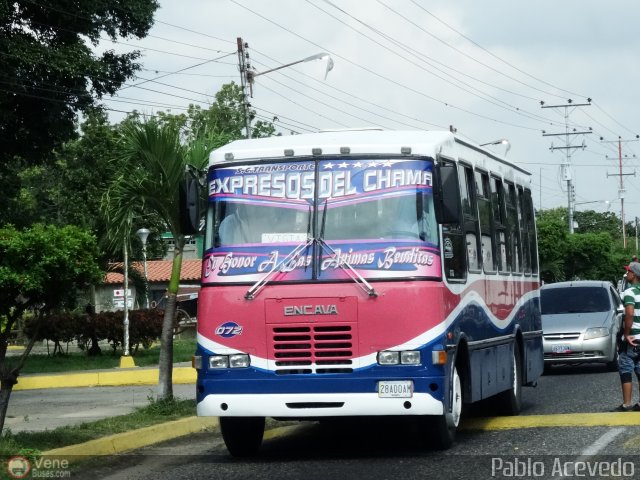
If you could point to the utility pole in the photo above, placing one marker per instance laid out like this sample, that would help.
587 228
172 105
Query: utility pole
243 56
621 190
568 148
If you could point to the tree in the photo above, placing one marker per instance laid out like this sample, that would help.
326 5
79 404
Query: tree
221 123
590 221
50 73
68 191
552 239
41 271
156 164
593 252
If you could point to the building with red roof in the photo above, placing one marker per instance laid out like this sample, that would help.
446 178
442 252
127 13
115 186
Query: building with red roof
110 295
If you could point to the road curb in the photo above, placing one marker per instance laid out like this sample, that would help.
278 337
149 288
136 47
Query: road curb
102 378
134 439
604 419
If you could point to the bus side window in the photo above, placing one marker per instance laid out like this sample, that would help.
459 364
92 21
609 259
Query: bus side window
470 218
524 232
529 216
499 222
514 256
454 249
489 257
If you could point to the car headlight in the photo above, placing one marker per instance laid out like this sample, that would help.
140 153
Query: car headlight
596 333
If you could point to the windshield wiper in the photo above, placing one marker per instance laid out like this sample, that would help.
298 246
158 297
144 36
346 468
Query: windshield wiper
304 246
352 272
293 255
346 266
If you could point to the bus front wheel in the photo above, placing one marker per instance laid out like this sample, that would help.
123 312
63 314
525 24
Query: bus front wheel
242 435
443 427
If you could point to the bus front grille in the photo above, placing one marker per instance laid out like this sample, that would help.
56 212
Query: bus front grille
320 349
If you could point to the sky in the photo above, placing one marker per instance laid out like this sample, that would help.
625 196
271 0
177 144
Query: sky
483 67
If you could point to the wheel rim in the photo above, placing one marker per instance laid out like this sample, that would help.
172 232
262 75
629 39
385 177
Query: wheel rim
456 398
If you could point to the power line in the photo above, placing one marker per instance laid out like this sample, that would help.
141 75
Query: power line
394 82
327 105
426 59
492 54
465 54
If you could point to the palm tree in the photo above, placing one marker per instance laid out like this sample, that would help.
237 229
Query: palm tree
155 163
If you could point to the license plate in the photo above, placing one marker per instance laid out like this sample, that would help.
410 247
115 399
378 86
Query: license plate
560 348
395 389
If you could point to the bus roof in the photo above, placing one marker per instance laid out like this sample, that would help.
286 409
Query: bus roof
358 142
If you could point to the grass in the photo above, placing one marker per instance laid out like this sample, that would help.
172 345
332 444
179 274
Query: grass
32 443
183 350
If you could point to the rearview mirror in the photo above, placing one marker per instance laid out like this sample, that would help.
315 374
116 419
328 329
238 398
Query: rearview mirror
190 205
446 193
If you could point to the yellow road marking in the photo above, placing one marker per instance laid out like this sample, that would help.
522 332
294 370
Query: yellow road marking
605 419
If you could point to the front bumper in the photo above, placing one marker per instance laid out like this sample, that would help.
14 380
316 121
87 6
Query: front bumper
600 350
309 405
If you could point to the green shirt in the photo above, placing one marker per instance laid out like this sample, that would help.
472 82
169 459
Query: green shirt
631 296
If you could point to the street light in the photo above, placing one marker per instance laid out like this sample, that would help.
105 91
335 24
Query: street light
126 360
575 224
247 75
143 234
251 75
502 141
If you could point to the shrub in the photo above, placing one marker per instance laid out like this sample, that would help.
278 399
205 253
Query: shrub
145 327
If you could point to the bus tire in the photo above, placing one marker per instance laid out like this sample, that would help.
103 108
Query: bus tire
242 435
509 402
443 427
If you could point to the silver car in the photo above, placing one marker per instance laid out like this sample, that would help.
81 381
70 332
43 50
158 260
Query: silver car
580 322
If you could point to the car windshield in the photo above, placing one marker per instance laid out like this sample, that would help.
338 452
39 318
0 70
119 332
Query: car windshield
574 300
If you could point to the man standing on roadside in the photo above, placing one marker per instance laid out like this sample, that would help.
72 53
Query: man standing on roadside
629 353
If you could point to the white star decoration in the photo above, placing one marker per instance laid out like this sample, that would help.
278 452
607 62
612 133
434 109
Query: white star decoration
371 164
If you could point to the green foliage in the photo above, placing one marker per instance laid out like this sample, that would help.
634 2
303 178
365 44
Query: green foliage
593 252
221 123
593 222
145 327
79 360
50 73
44 267
156 412
552 236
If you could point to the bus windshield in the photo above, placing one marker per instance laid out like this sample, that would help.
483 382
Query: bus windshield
376 216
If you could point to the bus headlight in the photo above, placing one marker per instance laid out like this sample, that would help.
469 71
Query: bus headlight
410 357
405 357
388 358
218 361
239 361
